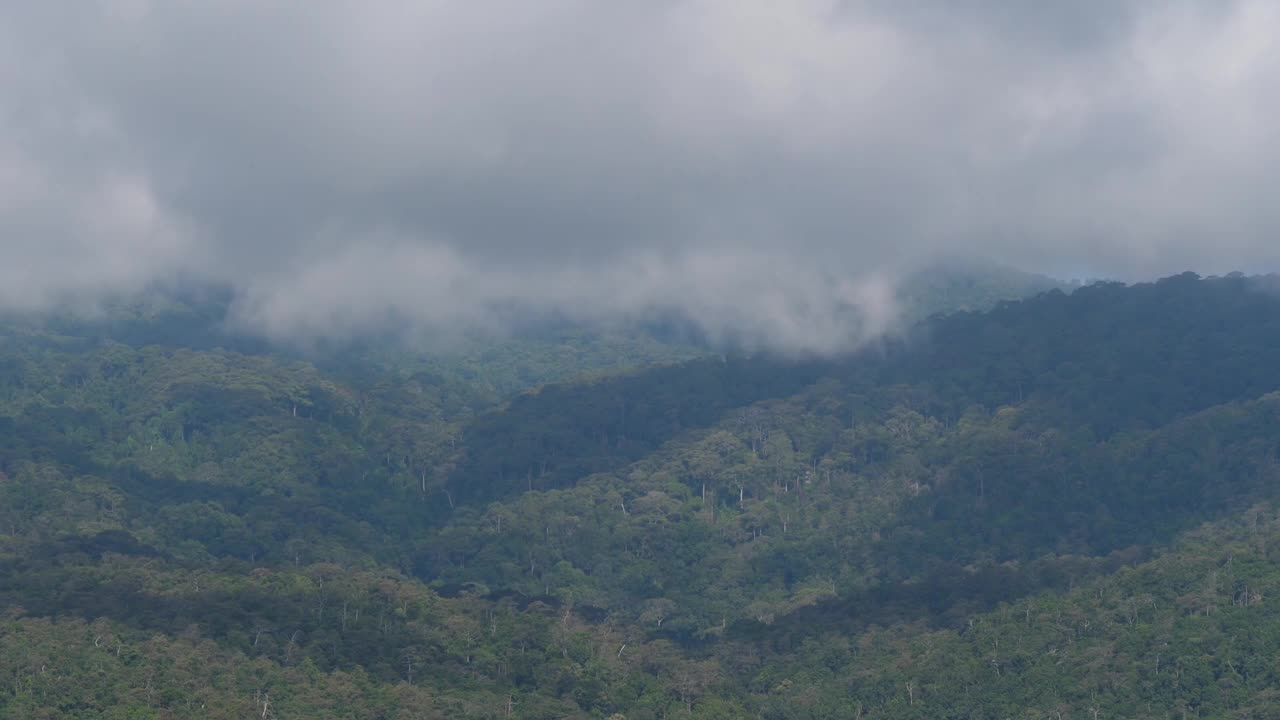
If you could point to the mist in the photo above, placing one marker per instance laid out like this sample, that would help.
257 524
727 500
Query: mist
769 171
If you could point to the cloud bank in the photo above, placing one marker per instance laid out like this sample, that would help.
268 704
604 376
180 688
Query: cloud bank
764 168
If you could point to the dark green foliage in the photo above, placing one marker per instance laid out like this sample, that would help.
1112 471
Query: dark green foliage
1061 508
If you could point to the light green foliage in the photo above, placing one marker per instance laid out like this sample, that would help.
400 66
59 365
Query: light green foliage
1063 508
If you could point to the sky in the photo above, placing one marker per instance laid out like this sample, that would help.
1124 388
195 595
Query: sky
766 169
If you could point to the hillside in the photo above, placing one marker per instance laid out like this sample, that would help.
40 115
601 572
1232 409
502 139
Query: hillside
1058 507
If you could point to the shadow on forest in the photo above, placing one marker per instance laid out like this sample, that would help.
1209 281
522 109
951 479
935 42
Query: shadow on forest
945 598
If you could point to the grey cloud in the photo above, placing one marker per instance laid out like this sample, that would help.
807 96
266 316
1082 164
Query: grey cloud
765 168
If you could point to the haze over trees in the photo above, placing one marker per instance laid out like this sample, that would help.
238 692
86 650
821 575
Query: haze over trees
1062 507
639 361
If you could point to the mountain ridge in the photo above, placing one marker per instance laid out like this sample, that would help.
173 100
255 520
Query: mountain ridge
736 536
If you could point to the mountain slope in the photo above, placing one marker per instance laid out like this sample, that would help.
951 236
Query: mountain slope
996 515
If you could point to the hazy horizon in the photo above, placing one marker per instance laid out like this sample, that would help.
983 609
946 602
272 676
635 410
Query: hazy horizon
765 170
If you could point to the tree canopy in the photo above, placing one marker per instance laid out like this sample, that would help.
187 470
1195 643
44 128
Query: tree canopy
1059 507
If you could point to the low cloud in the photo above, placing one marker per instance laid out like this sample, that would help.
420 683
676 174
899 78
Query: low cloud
765 169
749 299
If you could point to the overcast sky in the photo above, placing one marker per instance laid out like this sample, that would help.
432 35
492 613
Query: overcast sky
757 165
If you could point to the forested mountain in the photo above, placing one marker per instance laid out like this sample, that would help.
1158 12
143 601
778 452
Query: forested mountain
493 365
972 284
1060 507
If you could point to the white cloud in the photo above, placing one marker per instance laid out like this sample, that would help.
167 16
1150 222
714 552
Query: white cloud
758 166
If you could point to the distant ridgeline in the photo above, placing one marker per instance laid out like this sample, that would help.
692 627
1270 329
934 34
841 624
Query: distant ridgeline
539 349
1061 507
948 287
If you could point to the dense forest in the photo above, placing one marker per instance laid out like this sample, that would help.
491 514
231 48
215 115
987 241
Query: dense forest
1064 506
